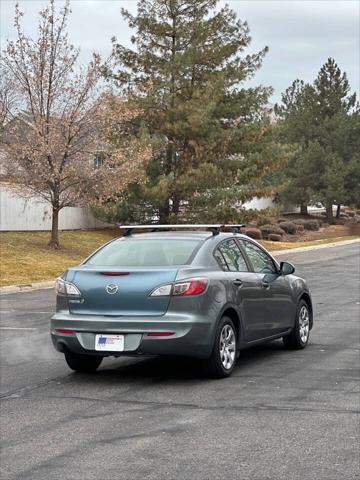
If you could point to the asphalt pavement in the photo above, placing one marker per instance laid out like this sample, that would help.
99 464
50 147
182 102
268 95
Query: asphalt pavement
282 415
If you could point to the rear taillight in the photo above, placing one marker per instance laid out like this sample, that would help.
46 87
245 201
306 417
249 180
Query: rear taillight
185 288
194 286
63 288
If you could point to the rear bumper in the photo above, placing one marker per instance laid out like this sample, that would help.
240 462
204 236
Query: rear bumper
192 335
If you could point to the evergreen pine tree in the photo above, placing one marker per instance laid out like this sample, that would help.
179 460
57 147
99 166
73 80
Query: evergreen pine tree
322 121
214 139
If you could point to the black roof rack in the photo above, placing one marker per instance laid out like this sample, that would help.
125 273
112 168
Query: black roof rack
214 228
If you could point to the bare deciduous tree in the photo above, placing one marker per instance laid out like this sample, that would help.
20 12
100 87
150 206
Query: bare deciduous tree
125 154
8 97
64 122
51 144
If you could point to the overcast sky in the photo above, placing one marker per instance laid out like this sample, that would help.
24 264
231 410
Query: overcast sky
301 34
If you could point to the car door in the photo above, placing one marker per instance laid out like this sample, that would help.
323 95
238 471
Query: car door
243 286
275 292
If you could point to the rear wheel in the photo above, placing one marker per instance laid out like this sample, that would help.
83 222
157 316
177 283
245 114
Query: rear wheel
299 336
82 363
223 357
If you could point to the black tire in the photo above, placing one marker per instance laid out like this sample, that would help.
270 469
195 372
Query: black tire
82 363
298 338
215 364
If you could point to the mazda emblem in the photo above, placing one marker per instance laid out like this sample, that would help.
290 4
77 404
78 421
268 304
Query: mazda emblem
111 289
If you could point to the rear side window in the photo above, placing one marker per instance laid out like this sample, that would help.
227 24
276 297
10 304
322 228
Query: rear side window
260 260
144 253
229 257
220 259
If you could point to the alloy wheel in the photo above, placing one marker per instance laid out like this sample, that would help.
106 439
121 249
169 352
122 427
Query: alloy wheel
227 346
304 324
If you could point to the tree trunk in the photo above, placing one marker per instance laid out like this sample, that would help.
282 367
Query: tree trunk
164 213
338 209
54 241
329 213
176 205
304 210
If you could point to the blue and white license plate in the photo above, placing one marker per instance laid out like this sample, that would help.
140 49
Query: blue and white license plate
109 343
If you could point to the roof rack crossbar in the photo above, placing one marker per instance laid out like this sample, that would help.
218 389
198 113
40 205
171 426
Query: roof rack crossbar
214 228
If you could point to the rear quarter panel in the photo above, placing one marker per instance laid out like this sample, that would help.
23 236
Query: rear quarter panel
210 305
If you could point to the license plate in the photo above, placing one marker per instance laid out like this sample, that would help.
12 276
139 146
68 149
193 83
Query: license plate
109 343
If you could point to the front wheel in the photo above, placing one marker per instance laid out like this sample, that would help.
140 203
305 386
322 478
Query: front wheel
223 357
299 336
82 363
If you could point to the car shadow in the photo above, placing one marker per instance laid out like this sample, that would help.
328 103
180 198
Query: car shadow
261 353
163 368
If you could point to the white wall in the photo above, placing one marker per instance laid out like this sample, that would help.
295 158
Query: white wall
259 203
17 213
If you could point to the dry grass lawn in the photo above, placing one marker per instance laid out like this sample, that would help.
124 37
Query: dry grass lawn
25 257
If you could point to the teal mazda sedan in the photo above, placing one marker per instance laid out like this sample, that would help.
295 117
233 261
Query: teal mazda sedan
183 290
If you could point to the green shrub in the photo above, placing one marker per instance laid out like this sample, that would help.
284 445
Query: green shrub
350 213
355 219
289 227
263 221
274 237
266 230
311 225
253 232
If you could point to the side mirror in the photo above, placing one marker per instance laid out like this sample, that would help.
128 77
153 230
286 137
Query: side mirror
286 268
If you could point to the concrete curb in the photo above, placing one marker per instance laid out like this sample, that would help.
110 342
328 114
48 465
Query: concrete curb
50 284
29 287
314 247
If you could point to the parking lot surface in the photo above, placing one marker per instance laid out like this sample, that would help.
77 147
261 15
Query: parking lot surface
282 415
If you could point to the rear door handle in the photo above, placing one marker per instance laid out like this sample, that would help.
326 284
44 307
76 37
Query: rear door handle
265 285
237 282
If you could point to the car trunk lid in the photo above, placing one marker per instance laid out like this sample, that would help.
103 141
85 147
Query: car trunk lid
119 292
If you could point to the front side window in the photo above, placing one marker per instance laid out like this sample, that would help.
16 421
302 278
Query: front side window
259 259
144 253
229 256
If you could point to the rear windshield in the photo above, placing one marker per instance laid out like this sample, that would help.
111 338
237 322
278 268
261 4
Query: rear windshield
144 253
